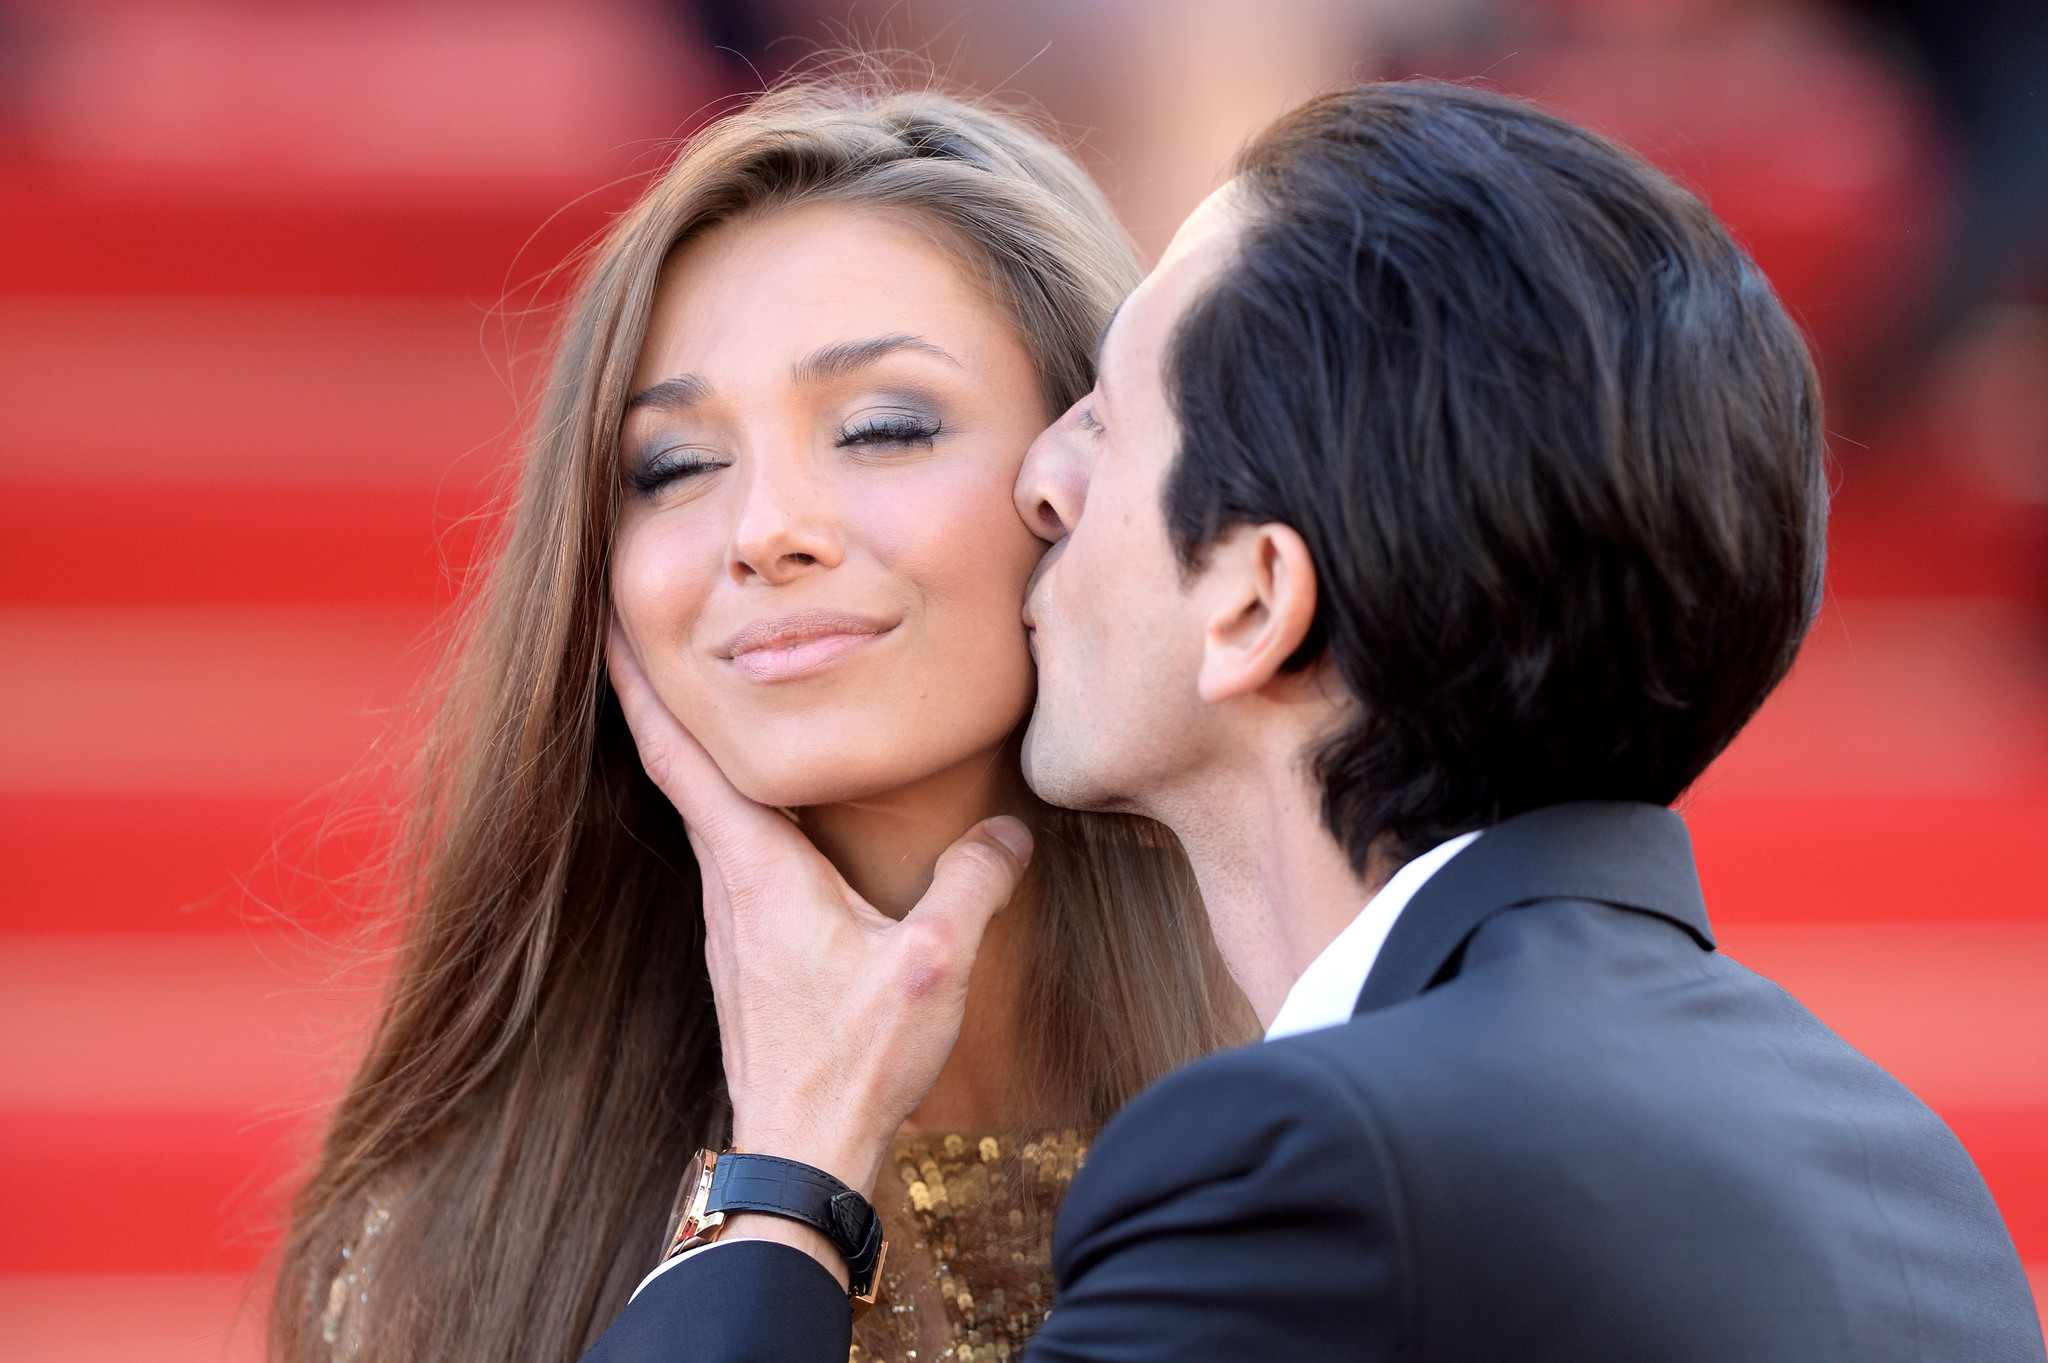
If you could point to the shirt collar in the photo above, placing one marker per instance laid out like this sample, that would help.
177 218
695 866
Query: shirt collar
1328 990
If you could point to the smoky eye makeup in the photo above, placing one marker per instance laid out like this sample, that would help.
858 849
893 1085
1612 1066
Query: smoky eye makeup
881 426
900 423
657 466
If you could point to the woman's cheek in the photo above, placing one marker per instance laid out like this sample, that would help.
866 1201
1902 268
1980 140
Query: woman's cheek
664 575
954 528
660 593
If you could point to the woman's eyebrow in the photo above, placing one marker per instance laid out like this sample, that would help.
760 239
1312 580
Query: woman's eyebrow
844 357
827 362
684 390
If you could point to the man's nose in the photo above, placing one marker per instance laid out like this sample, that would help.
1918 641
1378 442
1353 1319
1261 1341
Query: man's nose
788 524
1053 484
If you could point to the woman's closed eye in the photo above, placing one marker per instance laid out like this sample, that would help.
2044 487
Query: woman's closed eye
885 430
669 466
877 432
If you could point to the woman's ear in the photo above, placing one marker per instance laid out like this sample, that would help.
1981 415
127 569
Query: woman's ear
1259 594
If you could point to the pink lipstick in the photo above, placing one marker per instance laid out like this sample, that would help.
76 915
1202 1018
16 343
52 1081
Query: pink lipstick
800 645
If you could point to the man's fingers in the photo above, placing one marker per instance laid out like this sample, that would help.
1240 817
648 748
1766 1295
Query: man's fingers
1015 838
974 879
676 761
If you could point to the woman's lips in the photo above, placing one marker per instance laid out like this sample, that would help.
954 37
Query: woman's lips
801 659
799 645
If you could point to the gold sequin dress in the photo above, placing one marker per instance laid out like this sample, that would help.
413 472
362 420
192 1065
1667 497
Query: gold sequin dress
969 1273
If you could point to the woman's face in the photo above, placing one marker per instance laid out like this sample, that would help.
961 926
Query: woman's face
818 562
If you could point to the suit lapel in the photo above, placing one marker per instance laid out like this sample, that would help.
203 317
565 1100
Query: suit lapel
1637 856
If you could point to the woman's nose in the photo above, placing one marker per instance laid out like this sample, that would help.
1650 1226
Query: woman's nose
787 525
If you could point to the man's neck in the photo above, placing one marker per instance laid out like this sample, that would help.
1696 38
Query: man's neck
1277 886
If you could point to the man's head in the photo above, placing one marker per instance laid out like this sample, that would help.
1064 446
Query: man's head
1455 428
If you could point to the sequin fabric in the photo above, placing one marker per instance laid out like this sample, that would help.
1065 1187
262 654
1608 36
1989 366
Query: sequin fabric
341 1317
969 1273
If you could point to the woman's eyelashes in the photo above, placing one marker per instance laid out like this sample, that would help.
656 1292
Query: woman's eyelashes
664 467
890 429
877 432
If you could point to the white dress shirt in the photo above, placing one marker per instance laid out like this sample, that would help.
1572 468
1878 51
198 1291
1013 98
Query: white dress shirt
1328 990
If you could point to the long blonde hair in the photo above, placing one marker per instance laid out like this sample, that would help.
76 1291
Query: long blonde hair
546 1058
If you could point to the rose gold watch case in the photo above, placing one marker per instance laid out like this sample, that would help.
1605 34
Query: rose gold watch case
688 1224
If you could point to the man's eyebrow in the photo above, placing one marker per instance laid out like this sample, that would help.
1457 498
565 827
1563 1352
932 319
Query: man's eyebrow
833 361
684 390
1102 339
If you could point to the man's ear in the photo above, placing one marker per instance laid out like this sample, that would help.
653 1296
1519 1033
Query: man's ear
1258 591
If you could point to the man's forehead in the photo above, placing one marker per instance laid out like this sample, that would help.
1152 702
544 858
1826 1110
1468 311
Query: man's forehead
1214 224
1139 330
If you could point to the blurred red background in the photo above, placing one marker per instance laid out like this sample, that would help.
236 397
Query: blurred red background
274 281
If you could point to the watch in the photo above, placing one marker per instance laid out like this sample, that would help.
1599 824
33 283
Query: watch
718 1185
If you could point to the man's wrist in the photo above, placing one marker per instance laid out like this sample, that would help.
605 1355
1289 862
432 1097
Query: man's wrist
791 1193
856 1163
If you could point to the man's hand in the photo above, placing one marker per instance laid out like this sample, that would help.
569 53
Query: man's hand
834 1020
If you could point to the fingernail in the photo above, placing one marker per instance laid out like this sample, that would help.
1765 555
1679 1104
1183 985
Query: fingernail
1012 834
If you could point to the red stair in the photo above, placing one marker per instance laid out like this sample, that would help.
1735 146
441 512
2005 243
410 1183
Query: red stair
250 426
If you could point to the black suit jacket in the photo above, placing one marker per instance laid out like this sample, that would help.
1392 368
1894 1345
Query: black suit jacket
1559 1126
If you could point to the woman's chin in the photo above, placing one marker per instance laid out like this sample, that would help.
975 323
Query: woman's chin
814 786
804 785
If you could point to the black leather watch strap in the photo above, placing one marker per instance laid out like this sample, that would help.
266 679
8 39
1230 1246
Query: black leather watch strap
781 1187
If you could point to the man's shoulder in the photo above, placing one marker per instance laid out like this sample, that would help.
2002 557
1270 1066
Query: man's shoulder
1542 1157
1574 1030
1354 1102
1595 1105
1262 1125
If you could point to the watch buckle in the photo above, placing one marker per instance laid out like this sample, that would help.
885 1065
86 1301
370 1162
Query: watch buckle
863 1302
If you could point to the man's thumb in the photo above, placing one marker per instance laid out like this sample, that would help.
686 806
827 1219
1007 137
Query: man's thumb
977 875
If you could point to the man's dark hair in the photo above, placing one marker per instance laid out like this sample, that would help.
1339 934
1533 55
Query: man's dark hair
1553 443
